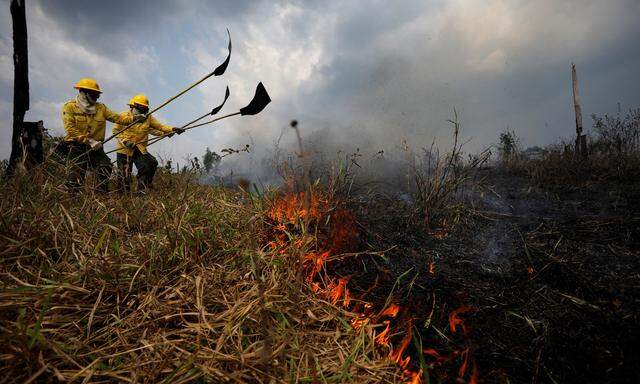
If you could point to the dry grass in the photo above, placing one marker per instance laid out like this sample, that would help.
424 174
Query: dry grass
177 286
561 168
438 180
613 154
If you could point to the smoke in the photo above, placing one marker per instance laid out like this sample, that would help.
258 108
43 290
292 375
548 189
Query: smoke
358 75
365 80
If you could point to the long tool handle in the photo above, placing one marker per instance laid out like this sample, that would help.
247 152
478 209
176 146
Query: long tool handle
156 139
165 134
163 105
219 71
185 127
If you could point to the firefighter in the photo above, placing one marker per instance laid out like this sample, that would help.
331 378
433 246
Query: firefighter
84 121
132 144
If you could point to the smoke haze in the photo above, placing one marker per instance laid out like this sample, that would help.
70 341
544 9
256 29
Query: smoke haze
358 74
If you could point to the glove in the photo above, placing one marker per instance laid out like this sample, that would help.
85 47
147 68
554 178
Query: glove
94 144
177 130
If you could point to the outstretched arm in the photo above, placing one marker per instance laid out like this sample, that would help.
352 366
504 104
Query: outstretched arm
123 118
159 129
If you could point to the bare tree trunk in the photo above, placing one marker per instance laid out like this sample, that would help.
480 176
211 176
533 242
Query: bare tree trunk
581 140
20 81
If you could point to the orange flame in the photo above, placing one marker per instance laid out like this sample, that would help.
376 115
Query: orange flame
339 291
315 262
454 320
440 234
435 354
463 368
341 234
347 299
474 374
391 311
396 353
383 337
416 377
359 322
295 206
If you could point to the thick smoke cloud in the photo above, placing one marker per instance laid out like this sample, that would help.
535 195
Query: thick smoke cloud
363 74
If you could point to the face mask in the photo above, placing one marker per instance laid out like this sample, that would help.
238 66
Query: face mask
91 99
84 103
136 112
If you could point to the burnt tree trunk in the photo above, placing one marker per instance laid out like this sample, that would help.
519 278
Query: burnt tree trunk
581 140
20 81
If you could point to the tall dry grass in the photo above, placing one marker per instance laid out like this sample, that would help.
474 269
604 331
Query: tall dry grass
613 155
438 179
175 286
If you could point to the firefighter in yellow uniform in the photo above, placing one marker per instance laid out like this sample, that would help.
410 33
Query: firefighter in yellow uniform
132 144
84 121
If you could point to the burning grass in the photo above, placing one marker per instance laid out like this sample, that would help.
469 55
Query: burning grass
172 287
329 234
324 281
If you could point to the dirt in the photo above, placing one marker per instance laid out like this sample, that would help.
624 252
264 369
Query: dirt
552 275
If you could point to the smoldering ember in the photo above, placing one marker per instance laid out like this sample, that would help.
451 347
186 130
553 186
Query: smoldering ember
320 192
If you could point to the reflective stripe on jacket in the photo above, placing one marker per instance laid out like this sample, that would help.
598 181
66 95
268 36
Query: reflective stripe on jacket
80 126
138 134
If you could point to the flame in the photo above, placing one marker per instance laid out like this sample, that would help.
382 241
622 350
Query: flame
339 291
340 234
463 368
454 320
391 311
416 377
347 299
474 374
359 322
440 234
383 337
435 354
396 353
314 262
293 207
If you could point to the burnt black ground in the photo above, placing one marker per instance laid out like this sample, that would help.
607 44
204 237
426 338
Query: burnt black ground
553 275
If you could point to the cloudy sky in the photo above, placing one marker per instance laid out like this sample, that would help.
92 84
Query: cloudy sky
367 73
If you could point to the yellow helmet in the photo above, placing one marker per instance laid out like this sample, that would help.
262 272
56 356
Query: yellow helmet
88 84
139 99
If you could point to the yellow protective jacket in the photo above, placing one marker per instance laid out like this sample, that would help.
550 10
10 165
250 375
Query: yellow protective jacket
138 133
79 126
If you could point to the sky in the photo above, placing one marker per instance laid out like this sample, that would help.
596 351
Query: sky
367 74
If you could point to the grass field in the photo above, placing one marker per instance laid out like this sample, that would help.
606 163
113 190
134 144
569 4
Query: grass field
523 271
176 286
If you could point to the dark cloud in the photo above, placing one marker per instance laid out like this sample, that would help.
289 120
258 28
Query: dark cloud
518 79
374 71
113 26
